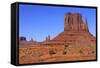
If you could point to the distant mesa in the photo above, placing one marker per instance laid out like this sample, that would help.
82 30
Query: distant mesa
22 38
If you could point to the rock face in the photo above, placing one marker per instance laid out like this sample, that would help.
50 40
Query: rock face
74 22
73 44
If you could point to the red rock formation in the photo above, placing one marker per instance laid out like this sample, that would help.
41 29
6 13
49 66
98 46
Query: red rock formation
75 29
74 22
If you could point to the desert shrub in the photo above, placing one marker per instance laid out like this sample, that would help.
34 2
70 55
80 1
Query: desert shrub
64 52
93 52
34 54
51 52
37 53
65 45
80 51
28 51
65 48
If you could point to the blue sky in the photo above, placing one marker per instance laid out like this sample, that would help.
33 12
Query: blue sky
37 21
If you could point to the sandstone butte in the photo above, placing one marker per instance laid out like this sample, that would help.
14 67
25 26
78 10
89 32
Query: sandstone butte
75 43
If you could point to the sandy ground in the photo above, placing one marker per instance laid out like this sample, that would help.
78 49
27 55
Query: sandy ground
40 54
